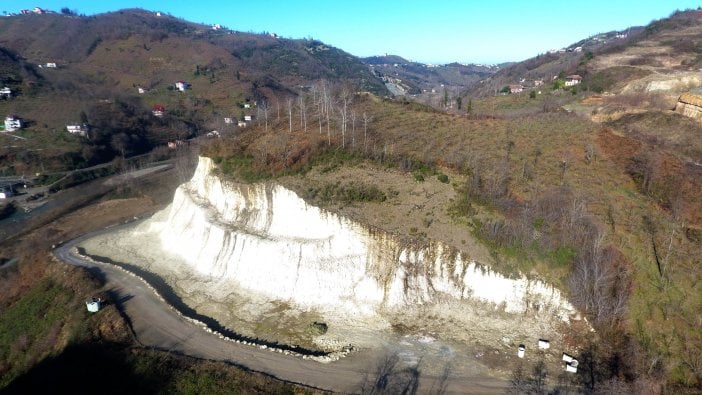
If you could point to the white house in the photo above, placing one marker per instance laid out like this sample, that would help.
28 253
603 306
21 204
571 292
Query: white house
6 193
38 10
247 105
248 118
241 124
141 90
228 120
81 130
93 304
516 89
572 366
12 123
182 85
216 26
6 92
50 65
573 80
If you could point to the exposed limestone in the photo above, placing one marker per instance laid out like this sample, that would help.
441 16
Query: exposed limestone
690 104
260 251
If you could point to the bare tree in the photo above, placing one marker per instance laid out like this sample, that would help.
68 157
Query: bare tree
264 109
302 106
345 99
353 129
366 120
391 378
328 106
277 108
539 378
600 284
519 382
289 106
318 103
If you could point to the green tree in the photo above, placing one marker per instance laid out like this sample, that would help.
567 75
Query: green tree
459 102
532 95
558 84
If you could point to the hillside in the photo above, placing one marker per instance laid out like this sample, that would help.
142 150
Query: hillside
414 78
606 206
663 56
105 59
594 188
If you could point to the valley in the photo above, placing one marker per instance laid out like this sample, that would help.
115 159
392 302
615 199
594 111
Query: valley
290 223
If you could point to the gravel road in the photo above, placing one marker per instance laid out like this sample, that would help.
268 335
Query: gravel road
157 325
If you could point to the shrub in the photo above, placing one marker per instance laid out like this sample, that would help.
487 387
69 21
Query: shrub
443 178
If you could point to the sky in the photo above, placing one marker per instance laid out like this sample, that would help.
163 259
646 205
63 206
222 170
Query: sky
438 31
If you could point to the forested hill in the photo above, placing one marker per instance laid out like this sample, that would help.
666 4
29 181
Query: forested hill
110 70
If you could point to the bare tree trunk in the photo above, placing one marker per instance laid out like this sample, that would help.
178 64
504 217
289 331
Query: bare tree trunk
289 103
277 106
264 109
345 96
366 120
353 129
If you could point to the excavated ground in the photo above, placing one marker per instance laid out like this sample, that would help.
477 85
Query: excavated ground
471 336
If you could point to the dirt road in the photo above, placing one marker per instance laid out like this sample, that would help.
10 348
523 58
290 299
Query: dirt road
158 326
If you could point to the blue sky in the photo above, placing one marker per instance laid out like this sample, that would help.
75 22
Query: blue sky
488 31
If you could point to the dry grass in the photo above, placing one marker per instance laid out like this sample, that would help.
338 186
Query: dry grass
541 152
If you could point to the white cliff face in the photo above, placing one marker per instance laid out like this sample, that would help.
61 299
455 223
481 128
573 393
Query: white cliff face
267 240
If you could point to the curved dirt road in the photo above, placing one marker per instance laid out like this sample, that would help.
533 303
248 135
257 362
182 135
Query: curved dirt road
157 325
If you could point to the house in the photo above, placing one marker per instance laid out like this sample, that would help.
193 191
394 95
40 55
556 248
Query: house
6 92
141 90
158 13
6 192
12 123
578 49
38 11
241 124
247 105
572 80
175 144
216 26
228 120
516 88
81 130
538 83
93 304
158 110
182 86
544 344
273 35
248 118
25 12
213 133
50 65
